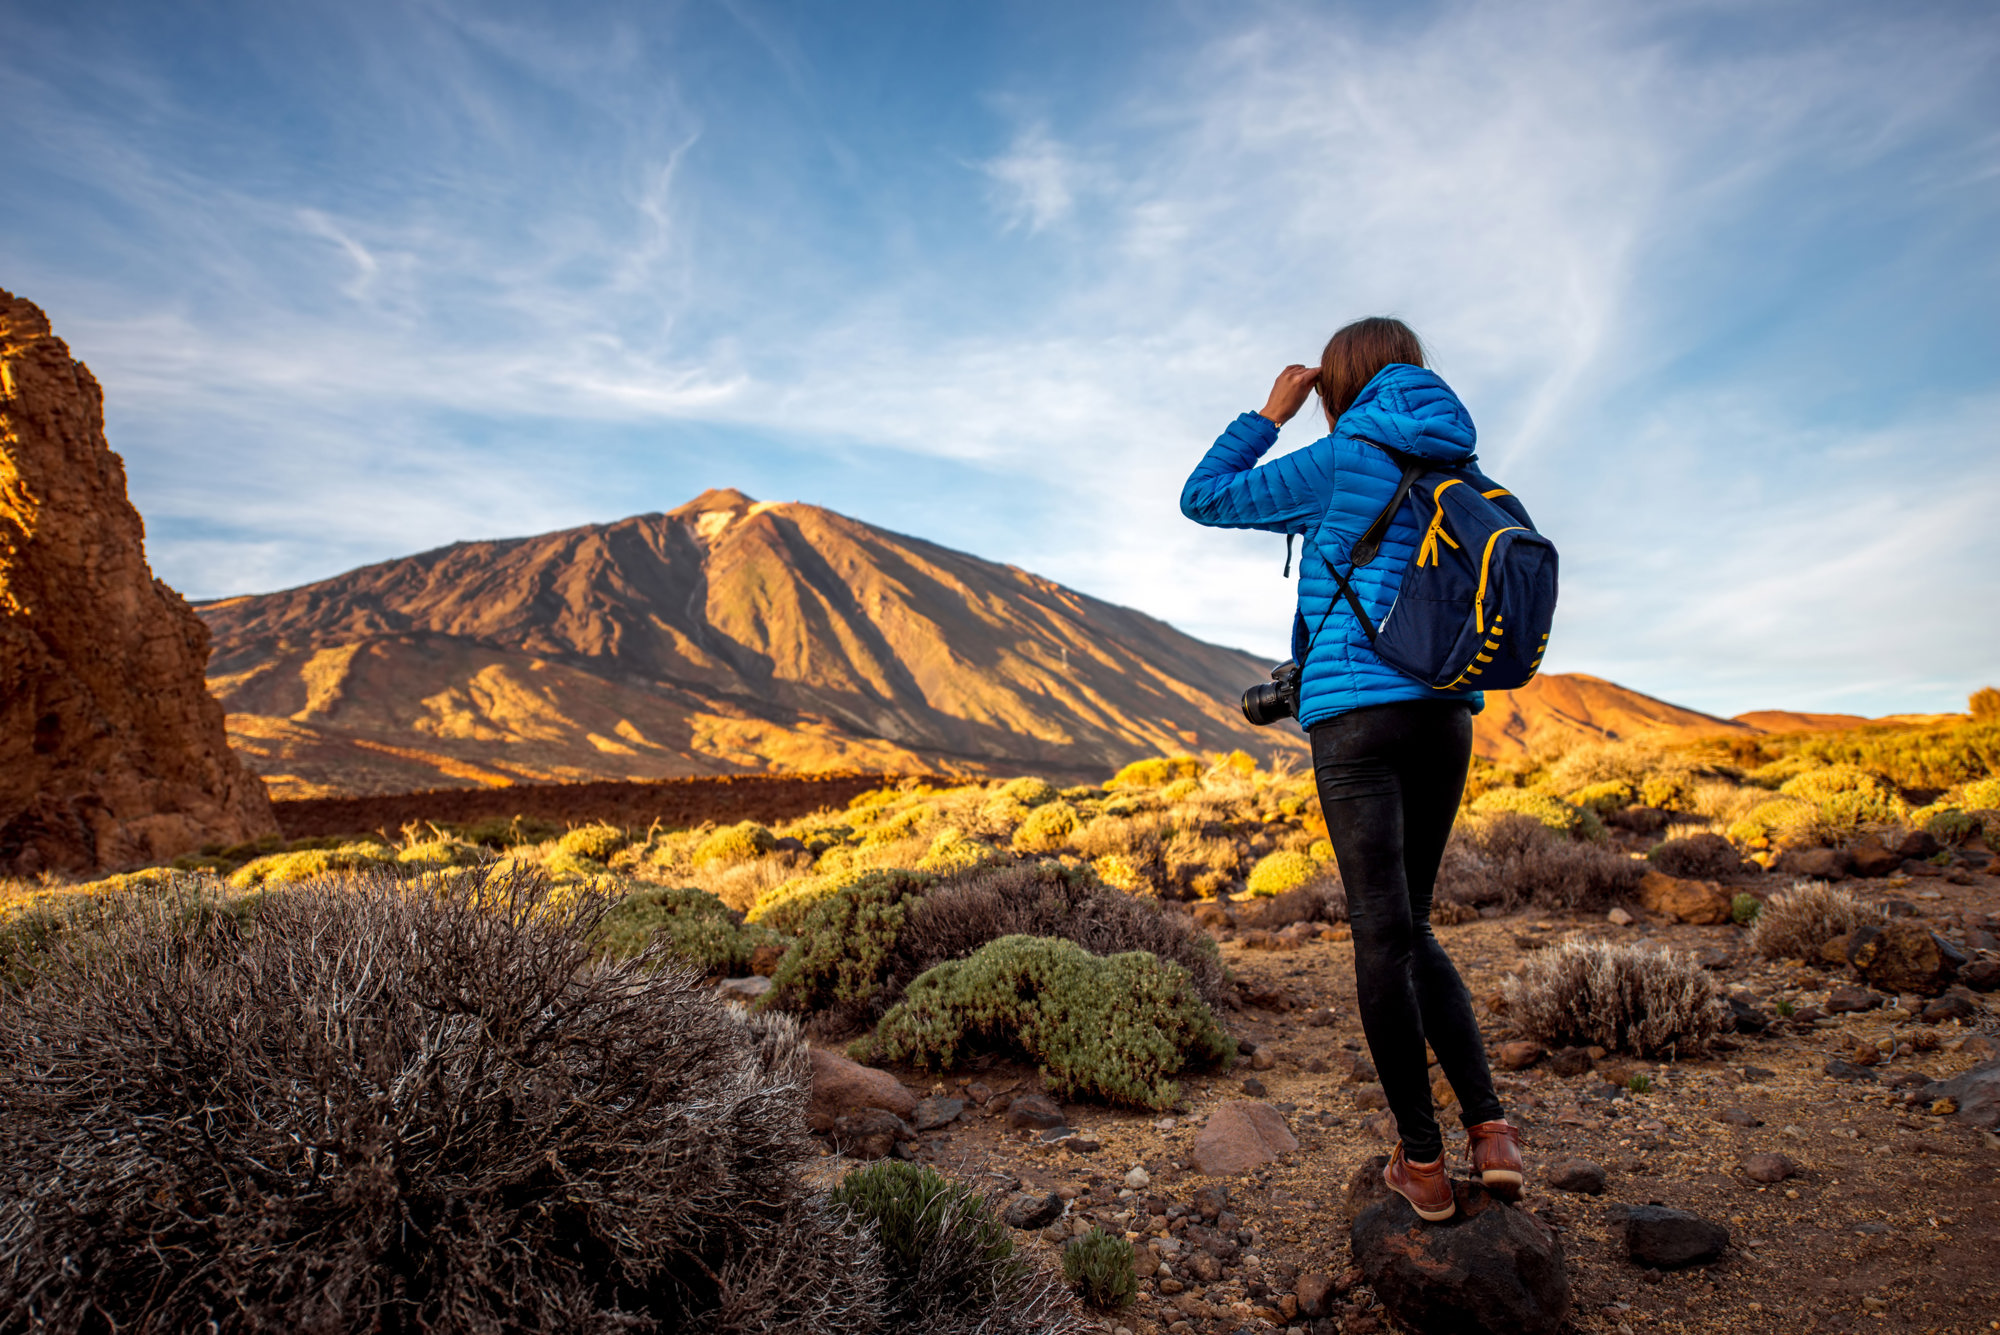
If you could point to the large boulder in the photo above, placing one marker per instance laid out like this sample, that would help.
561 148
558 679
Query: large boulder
1490 1269
1239 1136
112 751
1901 956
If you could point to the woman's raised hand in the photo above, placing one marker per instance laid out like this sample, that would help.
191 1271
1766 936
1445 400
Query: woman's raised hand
1289 392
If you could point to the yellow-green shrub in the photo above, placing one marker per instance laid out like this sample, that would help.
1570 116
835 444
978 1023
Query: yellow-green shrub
735 843
1778 820
1320 850
952 852
276 868
1283 870
1668 792
1114 1028
695 925
1180 790
1981 794
1605 798
1550 811
597 842
1155 772
844 941
444 851
1047 828
1029 791
1121 872
1846 795
892 829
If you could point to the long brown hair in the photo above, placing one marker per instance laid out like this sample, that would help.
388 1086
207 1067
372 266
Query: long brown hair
1356 352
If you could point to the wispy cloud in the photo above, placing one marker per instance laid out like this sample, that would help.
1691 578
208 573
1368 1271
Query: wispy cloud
535 269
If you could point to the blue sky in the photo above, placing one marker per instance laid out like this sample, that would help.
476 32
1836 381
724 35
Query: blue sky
1718 282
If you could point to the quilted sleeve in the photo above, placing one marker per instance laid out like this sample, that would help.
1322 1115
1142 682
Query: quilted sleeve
1229 489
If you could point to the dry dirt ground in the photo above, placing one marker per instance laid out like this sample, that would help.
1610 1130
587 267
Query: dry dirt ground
1892 1223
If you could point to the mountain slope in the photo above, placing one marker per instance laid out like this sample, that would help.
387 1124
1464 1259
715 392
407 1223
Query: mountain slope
726 636
1556 711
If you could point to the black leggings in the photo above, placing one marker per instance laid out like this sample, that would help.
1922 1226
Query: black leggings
1390 778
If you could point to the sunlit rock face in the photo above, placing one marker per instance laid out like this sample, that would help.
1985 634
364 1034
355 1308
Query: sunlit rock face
112 751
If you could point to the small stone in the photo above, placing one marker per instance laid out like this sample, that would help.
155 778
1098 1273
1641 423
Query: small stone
1845 1000
744 989
1262 1060
1037 1111
764 960
840 1086
1667 1239
1083 1144
1618 917
1029 1211
1841 1069
1768 1168
871 1133
1315 1295
1254 1087
1982 975
1577 1175
1370 1098
1210 1202
1904 956
1203 1267
1361 1071
934 1112
1948 1008
1569 1062
1517 1055
1138 1179
1738 1117
1972 1097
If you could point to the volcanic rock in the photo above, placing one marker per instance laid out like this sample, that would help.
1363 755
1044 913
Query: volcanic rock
1768 1168
1975 1095
1488 1269
1668 1239
1982 975
1901 957
1239 1136
112 751
1872 858
1578 1175
842 1086
1035 1111
935 1112
1702 902
872 1133
1821 864
1031 1211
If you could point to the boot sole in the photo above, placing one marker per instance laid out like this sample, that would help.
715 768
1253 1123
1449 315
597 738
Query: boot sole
1428 1216
1502 1182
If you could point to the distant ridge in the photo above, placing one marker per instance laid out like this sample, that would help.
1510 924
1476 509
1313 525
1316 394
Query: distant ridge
1559 710
726 636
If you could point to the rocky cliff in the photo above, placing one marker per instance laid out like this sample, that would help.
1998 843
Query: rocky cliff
112 751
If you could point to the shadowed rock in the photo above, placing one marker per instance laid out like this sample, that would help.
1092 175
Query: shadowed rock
1491 1269
1666 1239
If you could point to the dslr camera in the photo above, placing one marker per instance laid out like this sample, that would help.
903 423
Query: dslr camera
1269 701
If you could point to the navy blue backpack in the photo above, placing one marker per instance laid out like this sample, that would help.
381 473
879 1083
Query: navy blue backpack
1479 597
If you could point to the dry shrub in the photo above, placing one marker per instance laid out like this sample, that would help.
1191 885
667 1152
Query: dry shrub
1046 828
734 843
1638 999
1155 772
1549 810
1511 860
1796 922
1701 856
383 1108
1846 796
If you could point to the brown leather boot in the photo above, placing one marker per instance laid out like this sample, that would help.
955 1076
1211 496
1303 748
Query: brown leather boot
1496 1157
1426 1187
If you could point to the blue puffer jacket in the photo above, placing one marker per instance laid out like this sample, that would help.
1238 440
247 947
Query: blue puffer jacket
1330 492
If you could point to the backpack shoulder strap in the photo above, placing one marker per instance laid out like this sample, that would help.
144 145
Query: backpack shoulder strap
1369 545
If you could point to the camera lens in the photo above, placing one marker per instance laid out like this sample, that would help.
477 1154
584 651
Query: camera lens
1266 703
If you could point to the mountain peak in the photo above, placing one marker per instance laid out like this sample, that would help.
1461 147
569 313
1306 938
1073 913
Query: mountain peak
715 498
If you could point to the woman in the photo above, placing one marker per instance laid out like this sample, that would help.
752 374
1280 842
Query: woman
1389 752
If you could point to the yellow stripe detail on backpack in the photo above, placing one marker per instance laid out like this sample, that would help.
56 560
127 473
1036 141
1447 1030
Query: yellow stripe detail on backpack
1428 551
1485 567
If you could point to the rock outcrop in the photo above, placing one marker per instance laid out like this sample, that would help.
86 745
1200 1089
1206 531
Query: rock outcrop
112 751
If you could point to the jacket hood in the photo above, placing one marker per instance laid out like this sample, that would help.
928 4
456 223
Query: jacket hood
1411 410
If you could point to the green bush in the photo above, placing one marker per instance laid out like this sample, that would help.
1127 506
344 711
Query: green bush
951 1265
1744 908
1668 792
844 942
1047 828
1115 1029
1155 772
734 843
691 923
1952 826
1550 811
1286 869
1028 791
1605 798
596 842
1099 1266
